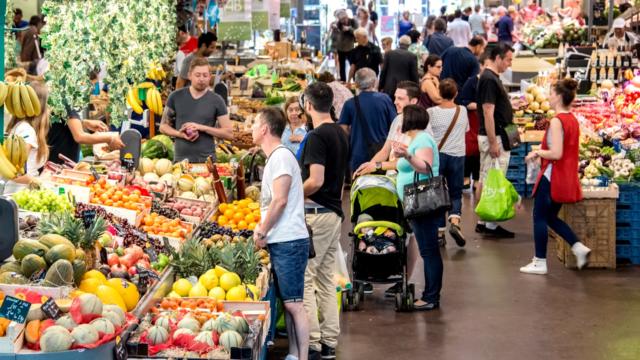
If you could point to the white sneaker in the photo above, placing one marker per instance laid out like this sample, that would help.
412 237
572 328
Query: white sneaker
582 254
536 266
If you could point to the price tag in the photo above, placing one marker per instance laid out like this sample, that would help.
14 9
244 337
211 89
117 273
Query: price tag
38 275
103 256
149 250
244 84
128 163
165 242
94 172
146 273
120 349
51 309
88 216
15 309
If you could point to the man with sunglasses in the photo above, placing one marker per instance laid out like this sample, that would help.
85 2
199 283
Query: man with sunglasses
324 165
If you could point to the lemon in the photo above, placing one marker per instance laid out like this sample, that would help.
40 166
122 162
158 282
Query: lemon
229 280
182 287
198 291
219 270
217 293
94 274
237 293
209 280
173 294
255 291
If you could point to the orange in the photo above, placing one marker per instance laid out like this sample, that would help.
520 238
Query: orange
242 225
222 207
108 202
249 218
252 226
246 211
238 216
222 220
228 213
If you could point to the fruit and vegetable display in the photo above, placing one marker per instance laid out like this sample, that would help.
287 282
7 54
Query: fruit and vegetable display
239 215
159 225
599 161
13 155
44 201
119 196
539 34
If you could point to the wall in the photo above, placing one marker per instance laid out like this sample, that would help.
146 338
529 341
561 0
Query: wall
29 7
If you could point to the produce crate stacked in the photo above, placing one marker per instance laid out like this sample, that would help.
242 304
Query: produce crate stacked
517 172
627 226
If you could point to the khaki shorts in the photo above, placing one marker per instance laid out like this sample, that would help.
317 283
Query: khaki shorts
487 162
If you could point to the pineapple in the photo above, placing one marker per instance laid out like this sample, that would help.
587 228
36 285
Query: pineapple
192 259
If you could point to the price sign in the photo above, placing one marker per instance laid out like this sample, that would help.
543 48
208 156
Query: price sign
146 273
149 250
128 162
88 216
51 309
120 349
94 172
244 84
38 275
15 309
103 256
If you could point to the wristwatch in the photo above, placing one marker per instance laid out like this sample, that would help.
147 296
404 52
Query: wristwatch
378 165
260 235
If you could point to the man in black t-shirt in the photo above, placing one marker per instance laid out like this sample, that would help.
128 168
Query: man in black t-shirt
365 55
495 111
324 163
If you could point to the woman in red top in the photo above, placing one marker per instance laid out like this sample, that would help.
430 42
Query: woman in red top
558 181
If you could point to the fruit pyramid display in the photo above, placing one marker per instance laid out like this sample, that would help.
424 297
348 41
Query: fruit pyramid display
239 215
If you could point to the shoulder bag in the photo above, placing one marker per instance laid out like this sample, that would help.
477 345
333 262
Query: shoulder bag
428 197
450 128
372 146
510 137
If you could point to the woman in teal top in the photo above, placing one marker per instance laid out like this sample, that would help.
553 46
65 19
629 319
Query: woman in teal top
421 151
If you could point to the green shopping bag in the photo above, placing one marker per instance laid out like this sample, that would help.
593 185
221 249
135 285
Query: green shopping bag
498 197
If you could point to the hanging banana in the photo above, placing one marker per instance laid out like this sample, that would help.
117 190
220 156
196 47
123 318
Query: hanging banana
132 101
7 170
25 101
35 101
4 90
17 105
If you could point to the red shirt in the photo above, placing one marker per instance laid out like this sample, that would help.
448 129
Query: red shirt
565 184
190 45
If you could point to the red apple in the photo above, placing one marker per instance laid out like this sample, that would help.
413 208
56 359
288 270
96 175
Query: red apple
118 268
132 271
112 259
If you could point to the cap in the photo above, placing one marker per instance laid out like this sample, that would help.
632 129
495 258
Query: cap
364 217
618 23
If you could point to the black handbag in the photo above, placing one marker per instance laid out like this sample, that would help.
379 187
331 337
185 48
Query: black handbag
511 137
426 197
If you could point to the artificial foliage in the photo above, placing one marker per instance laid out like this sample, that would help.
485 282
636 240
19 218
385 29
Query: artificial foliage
9 39
121 36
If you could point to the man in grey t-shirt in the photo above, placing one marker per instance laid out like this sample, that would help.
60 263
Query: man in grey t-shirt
206 47
195 116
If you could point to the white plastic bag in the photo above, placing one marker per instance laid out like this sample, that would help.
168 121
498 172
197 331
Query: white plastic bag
341 275
533 168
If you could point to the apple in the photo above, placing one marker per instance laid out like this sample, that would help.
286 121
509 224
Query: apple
118 268
132 271
106 240
112 259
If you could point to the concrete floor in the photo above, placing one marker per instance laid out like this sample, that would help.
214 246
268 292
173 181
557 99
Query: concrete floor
489 310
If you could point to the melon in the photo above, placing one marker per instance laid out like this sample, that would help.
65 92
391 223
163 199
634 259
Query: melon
109 295
157 335
79 268
13 266
59 274
168 179
185 183
54 328
182 332
89 304
146 165
66 322
25 247
229 339
163 321
225 322
189 323
32 331
51 240
13 278
151 177
209 325
252 192
113 317
243 325
59 252
35 312
206 337
202 186
189 195
163 166
103 326
128 291
54 340
32 264
115 309
84 334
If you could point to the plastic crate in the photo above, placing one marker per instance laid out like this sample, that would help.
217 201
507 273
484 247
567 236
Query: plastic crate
516 161
517 174
628 216
626 234
520 150
628 254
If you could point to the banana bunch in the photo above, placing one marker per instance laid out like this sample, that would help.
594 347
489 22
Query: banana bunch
154 101
13 157
156 72
133 100
21 100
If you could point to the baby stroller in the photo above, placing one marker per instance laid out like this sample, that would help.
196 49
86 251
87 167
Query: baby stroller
376 196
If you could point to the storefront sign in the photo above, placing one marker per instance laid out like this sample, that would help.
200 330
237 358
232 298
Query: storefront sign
235 21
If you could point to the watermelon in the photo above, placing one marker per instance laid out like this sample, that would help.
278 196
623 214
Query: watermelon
154 149
167 142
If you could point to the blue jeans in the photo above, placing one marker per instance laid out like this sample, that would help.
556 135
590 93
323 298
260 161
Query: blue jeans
289 261
426 232
545 214
452 168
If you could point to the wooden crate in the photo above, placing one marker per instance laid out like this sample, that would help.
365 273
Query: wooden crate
594 222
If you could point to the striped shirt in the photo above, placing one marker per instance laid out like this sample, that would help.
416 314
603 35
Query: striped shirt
439 121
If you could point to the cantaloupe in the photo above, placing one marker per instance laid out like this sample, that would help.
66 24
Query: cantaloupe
104 326
185 183
229 339
113 317
209 325
225 322
89 304
115 309
56 339
66 322
84 334
163 321
206 337
157 335
163 166
146 165
243 325
189 323
32 332
182 332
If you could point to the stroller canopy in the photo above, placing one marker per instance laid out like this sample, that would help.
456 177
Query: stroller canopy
377 194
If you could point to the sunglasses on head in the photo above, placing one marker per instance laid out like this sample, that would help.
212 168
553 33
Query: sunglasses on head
301 101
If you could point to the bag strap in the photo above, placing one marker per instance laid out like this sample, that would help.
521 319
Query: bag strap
416 174
453 123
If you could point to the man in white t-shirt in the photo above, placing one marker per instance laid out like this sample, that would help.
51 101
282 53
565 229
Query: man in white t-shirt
459 30
283 228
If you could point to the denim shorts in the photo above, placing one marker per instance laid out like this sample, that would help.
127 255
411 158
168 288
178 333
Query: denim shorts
289 262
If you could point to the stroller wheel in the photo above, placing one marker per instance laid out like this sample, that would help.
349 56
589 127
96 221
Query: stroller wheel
359 296
350 300
404 301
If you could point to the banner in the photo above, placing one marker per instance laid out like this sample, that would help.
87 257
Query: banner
235 21
260 15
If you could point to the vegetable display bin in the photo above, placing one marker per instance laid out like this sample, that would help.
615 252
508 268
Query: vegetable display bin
594 222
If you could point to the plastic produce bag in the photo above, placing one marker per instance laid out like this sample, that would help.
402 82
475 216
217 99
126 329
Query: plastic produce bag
533 168
498 198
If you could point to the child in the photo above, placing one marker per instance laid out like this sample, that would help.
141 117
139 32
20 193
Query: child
375 240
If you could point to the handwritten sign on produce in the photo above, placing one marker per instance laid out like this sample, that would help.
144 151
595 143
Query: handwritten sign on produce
15 309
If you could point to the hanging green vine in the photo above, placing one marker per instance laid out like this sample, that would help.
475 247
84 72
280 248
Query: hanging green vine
123 36
9 39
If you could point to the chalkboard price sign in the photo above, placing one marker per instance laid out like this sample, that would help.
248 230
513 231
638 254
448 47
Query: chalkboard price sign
15 309
120 349
88 216
51 309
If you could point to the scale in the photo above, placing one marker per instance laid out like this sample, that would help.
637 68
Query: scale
130 154
9 225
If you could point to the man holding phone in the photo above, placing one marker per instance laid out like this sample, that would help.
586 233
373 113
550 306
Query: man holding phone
195 116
